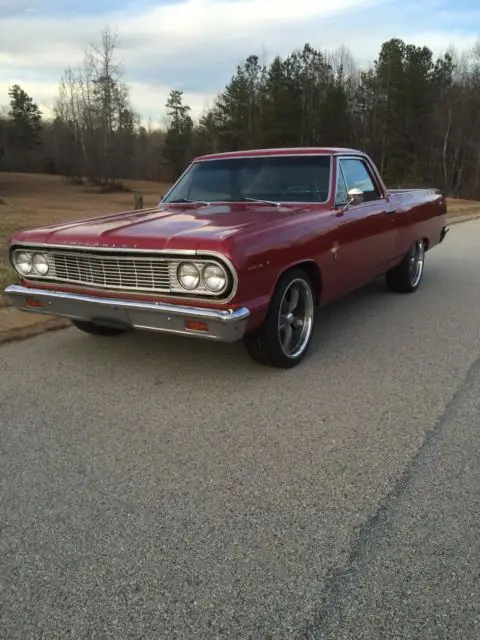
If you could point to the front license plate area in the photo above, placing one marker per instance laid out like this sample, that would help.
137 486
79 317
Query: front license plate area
115 317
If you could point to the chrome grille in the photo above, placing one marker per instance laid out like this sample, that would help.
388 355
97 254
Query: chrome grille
113 272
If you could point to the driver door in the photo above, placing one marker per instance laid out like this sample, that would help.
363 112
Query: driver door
364 232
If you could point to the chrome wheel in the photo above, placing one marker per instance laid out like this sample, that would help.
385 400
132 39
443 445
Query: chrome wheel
295 318
416 263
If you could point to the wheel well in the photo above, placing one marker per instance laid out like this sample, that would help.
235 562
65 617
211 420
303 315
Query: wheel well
313 272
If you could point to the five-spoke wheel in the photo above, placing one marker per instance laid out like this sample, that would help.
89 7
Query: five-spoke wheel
283 339
417 258
295 318
406 277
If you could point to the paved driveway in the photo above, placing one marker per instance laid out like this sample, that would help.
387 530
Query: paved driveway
161 488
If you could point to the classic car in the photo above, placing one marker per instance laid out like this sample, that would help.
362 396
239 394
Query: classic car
245 245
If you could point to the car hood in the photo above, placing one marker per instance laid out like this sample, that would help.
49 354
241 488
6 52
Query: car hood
186 226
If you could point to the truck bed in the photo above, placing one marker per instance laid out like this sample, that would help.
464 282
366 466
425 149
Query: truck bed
416 191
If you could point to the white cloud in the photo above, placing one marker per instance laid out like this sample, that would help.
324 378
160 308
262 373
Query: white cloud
197 17
441 41
194 45
153 97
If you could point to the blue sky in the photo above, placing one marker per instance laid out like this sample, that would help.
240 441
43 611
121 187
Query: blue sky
194 45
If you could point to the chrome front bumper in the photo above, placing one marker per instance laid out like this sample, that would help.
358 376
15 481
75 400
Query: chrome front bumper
220 325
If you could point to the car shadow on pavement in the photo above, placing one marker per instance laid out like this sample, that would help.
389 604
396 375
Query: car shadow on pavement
169 353
340 326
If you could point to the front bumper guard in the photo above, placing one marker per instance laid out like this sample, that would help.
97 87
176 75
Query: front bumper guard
220 325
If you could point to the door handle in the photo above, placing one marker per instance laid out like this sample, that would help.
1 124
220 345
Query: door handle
391 211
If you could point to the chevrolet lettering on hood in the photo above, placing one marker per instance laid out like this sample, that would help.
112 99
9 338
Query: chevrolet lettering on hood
72 243
246 245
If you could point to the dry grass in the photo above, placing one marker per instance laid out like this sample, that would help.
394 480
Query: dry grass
28 200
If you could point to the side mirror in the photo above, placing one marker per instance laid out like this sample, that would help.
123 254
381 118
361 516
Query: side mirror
355 196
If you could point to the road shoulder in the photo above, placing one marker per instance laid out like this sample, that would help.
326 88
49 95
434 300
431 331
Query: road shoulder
18 325
414 572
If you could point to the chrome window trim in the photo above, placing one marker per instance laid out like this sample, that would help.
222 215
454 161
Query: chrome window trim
370 169
266 155
177 181
179 255
162 202
340 172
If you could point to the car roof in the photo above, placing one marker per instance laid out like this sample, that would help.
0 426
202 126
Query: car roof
281 151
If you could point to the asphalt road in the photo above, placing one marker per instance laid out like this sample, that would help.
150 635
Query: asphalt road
161 488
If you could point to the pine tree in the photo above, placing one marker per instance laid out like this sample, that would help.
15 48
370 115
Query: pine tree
26 118
237 110
178 140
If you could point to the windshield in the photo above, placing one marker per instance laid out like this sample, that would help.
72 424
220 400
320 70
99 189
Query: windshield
302 178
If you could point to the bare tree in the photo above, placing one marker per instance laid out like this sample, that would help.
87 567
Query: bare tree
94 115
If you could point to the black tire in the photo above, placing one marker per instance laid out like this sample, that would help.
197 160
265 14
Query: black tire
266 345
407 276
96 329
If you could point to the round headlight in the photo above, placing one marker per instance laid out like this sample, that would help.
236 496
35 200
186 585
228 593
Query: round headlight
214 277
22 261
40 264
188 275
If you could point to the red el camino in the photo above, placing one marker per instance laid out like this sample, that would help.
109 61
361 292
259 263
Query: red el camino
245 245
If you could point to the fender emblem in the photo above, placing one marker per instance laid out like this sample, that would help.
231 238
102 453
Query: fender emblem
259 265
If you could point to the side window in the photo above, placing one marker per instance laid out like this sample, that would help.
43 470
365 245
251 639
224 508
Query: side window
341 195
358 177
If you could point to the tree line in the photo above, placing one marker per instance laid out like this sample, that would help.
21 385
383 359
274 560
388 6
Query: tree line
417 116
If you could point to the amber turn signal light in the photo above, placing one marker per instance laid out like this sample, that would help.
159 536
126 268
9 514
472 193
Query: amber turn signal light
34 303
195 325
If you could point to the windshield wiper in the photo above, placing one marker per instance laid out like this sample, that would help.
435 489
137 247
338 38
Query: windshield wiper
245 199
186 200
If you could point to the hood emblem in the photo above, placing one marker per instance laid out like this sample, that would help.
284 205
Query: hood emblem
103 245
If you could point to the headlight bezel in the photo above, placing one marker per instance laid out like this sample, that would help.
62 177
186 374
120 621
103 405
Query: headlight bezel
203 288
33 257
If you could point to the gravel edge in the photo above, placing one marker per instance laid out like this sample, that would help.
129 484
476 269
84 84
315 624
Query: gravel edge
21 333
